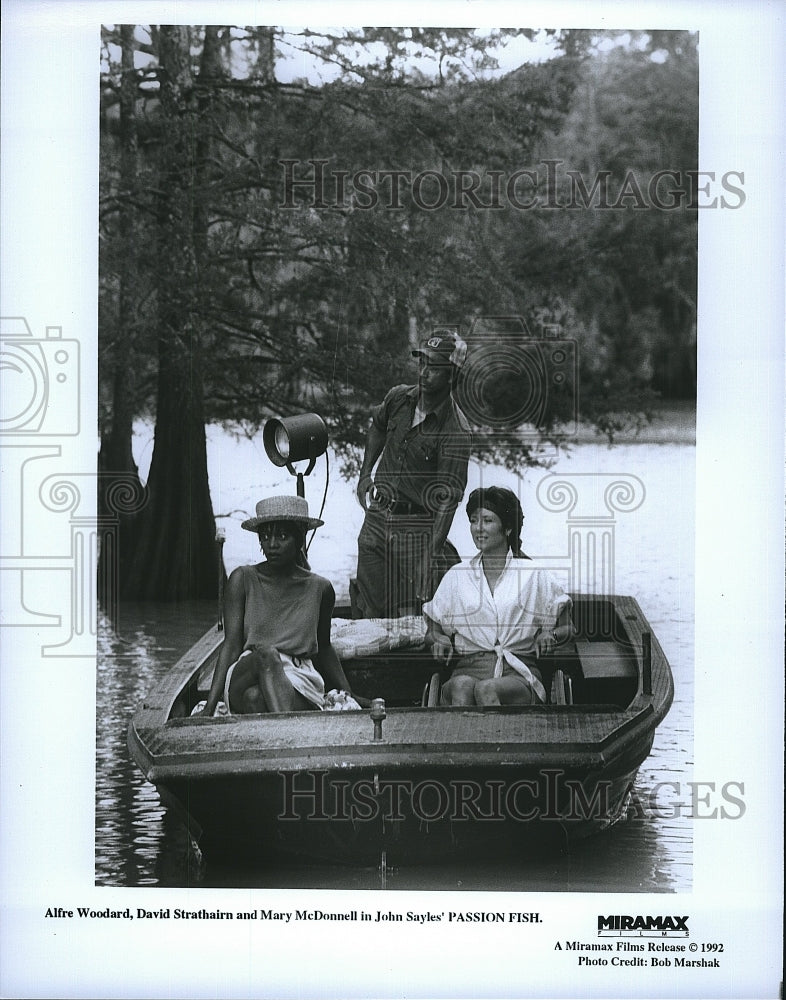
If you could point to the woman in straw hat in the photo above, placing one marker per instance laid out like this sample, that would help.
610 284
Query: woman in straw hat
493 617
277 655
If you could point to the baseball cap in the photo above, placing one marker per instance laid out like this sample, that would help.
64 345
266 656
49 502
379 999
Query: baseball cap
443 346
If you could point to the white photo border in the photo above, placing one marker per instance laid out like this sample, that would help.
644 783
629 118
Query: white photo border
49 176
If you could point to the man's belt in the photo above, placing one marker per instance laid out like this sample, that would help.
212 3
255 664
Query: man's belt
403 507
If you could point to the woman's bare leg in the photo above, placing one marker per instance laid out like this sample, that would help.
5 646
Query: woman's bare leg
459 690
503 691
252 701
259 684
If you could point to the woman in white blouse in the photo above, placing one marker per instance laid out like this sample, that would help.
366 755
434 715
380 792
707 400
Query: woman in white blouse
494 616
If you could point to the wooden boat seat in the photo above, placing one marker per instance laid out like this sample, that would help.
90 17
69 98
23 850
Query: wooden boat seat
609 672
431 691
561 688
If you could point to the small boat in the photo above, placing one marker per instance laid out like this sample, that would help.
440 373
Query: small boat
411 781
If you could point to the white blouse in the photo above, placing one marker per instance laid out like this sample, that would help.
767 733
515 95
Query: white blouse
526 599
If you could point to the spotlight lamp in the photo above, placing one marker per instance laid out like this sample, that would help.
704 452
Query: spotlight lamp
296 439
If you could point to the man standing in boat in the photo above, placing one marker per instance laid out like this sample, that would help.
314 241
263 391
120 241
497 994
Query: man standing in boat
421 439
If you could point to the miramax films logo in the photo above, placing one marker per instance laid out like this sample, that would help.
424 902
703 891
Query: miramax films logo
625 925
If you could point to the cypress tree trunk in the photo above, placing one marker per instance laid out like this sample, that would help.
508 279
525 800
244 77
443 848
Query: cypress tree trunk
116 448
116 462
173 553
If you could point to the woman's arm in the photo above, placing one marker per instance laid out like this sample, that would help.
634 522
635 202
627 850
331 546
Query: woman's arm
232 646
326 661
563 630
439 642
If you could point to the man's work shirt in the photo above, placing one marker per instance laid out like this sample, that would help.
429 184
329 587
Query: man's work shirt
425 464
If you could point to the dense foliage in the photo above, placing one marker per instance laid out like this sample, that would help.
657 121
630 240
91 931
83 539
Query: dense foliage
272 243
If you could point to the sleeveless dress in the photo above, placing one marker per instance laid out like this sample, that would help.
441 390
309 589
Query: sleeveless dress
284 614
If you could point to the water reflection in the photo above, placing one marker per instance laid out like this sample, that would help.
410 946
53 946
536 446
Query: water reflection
138 842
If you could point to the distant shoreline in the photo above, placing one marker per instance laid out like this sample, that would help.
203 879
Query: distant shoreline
672 423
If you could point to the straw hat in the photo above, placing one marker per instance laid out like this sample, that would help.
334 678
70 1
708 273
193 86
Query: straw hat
289 508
